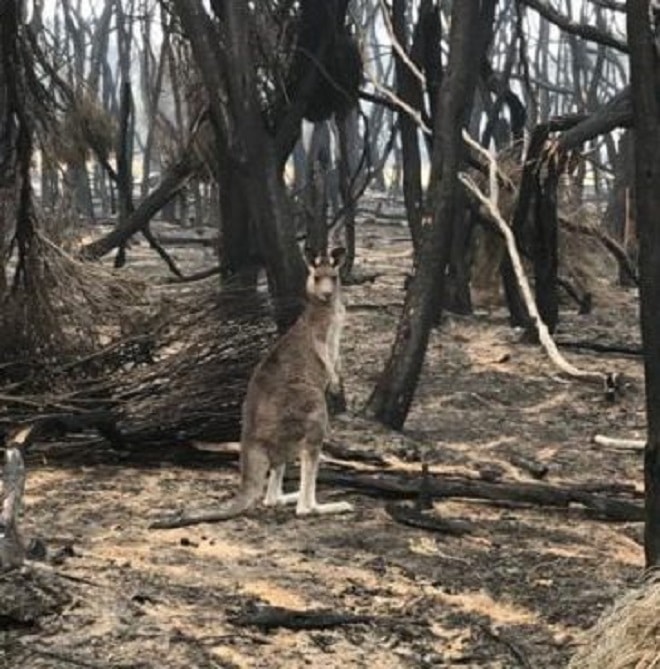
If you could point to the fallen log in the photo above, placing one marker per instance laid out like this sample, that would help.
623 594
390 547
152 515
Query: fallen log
176 177
405 486
339 451
397 485
598 347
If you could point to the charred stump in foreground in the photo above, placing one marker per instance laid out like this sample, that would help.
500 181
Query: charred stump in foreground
12 549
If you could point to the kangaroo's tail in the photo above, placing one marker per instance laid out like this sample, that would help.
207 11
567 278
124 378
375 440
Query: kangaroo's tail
254 472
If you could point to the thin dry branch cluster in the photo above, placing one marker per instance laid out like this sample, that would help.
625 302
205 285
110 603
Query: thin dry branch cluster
179 375
65 306
202 362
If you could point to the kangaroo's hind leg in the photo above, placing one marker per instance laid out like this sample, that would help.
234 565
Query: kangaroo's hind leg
274 493
307 504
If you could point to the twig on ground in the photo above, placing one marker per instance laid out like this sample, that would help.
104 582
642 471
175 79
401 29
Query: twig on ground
71 659
537 469
621 444
197 276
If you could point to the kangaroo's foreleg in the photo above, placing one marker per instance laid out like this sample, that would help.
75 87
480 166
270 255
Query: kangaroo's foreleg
307 504
325 354
274 493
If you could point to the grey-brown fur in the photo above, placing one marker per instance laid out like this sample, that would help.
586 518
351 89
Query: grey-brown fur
284 413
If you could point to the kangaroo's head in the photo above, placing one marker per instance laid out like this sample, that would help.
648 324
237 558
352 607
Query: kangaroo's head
323 275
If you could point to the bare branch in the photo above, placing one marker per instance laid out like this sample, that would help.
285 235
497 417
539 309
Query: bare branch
587 32
619 444
398 102
396 45
492 212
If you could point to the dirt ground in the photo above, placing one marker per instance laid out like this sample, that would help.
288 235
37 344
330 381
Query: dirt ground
518 592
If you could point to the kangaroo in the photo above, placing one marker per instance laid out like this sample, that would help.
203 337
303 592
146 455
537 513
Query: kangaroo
285 415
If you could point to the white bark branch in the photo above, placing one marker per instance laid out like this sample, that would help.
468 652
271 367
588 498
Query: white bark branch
396 45
492 211
620 444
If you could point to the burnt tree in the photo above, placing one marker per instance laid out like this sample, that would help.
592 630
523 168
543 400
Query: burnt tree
251 174
409 89
254 136
16 215
391 399
645 73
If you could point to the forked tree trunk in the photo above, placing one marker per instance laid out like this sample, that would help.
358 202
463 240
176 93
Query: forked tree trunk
228 74
392 397
545 251
645 80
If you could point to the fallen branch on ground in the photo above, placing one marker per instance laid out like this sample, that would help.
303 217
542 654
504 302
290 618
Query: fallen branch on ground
597 347
622 444
197 276
508 643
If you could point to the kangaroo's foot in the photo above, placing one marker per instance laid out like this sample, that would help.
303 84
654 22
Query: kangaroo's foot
330 507
282 499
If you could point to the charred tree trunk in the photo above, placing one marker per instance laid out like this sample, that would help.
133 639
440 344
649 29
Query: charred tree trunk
528 195
226 67
392 397
458 298
125 163
545 252
316 202
409 89
15 144
619 216
151 91
349 177
645 74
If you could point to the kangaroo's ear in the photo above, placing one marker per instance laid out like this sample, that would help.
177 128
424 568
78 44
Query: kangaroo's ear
311 258
338 256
